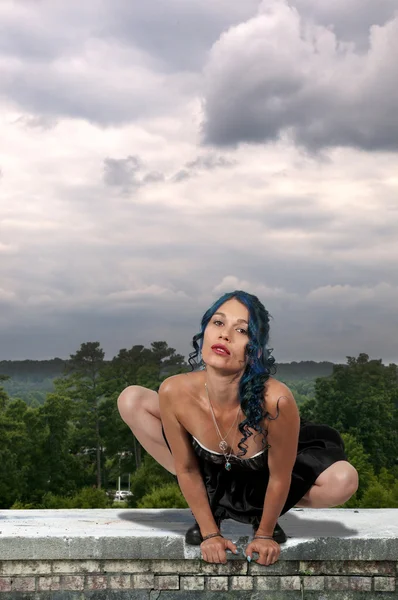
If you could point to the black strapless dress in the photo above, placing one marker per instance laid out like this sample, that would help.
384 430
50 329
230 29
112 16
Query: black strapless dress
239 493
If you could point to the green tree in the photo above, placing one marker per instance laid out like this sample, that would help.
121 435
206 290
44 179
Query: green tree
122 369
167 496
360 398
123 451
3 394
21 456
84 383
142 366
91 498
378 496
166 357
360 460
33 457
11 432
148 477
64 470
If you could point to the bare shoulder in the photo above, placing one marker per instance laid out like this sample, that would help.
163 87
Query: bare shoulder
179 387
176 383
278 396
169 385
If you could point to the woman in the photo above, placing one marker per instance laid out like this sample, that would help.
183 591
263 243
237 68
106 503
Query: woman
232 435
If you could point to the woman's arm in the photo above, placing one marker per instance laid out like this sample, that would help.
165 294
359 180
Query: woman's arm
185 460
283 433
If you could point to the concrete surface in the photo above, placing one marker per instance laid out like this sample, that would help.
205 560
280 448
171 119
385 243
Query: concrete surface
314 534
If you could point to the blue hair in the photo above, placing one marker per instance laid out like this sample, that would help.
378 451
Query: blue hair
259 365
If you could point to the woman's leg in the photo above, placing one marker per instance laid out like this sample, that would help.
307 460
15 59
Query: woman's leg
139 409
334 486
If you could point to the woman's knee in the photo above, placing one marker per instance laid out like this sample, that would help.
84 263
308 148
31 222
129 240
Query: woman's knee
131 401
340 476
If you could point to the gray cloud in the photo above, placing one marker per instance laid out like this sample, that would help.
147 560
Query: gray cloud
181 175
167 31
107 94
126 174
108 61
47 30
123 255
315 88
153 177
203 162
324 323
351 20
31 32
168 272
41 122
209 162
122 172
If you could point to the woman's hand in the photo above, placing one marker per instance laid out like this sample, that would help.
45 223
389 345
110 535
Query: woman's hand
268 551
214 549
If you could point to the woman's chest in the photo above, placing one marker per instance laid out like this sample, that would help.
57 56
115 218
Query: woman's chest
221 433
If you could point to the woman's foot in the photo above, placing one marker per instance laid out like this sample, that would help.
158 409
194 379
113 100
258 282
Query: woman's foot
193 537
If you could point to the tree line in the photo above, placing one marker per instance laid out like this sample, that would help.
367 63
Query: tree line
31 380
70 450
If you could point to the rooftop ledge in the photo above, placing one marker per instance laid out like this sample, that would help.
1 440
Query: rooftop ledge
313 534
330 554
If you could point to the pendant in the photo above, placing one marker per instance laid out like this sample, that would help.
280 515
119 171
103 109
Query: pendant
223 445
228 466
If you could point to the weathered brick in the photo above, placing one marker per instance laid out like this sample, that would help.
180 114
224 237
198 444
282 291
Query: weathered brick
196 582
192 567
5 584
232 567
96 582
314 582
384 584
23 584
72 582
25 567
360 584
266 582
336 582
281 567
217 584
127 566
347 567
143 581
45 584
76 566
167 582
241 582
290 582
119 582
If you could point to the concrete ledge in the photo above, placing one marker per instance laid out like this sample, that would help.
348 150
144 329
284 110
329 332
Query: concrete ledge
326 534
101 554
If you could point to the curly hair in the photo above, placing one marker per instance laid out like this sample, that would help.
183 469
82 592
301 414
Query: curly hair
259 365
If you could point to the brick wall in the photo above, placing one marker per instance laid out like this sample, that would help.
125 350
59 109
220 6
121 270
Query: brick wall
195 579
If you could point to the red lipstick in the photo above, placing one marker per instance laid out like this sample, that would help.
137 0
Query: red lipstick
220 349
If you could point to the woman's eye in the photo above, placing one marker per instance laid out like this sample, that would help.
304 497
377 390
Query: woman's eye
241 330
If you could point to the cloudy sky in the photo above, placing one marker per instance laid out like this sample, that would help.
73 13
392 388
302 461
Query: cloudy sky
154 155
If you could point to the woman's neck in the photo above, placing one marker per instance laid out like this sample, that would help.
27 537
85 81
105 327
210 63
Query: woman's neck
223 389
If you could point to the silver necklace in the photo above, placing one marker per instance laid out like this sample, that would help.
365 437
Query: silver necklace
223 444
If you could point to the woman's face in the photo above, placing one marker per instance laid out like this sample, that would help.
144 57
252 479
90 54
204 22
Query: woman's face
226 337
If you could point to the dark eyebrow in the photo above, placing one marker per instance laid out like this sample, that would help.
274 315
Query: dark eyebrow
238 320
